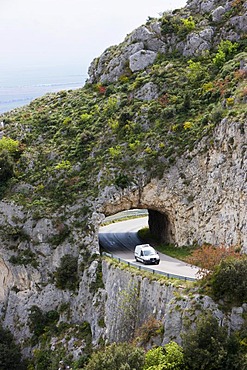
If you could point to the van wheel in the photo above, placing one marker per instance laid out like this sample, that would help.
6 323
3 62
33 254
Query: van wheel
136 259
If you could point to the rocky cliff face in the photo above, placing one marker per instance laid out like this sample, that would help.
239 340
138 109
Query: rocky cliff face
201 197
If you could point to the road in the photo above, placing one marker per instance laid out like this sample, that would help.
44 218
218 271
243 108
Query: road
120 239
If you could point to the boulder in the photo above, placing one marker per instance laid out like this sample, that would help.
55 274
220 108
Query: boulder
218 13
141 60
147 92
198 42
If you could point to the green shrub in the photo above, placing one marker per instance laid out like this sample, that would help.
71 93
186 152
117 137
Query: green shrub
98 282
66 275
229 281
122 181
39 321
63 233
209 347
225 50
42 359
122 356
25 257
175 24
9 145
187 25
63 166
6 166
10 354
169 357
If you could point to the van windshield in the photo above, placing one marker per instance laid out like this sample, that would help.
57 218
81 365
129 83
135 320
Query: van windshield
149 252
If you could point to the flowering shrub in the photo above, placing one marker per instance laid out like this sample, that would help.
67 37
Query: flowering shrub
208 257
101 89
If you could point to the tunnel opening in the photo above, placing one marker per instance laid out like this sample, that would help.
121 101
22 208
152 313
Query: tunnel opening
159 223
160 227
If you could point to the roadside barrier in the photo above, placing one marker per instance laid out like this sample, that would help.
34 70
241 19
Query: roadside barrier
145 268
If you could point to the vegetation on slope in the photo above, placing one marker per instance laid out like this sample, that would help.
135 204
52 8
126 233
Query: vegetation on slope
74 144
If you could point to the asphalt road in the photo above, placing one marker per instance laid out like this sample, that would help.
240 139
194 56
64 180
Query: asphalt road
120 239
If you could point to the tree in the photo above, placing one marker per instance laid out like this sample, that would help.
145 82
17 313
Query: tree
122 356
10 355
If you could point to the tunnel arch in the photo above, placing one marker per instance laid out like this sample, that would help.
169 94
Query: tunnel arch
159 222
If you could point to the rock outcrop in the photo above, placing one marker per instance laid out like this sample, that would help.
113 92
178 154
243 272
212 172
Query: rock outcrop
142 46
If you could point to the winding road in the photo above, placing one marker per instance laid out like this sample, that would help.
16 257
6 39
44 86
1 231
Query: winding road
120 239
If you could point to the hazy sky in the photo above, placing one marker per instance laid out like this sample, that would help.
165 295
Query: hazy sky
69 32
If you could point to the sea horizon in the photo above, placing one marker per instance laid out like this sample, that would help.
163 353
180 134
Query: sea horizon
19 87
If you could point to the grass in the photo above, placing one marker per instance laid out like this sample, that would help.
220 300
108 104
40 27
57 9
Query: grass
181 253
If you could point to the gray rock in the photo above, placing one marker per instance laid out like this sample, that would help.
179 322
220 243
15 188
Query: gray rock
197 43
147 92
218 13
240 22
141 60
140 34
202 6
206 6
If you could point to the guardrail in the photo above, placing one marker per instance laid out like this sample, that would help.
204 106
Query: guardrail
140 267
128 213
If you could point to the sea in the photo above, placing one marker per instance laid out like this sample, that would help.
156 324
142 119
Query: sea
19 87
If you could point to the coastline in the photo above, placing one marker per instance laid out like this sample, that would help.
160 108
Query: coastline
21 87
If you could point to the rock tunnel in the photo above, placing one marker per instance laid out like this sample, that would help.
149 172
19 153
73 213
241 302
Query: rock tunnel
159 223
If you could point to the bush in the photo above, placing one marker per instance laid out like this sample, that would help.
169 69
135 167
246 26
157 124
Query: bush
208 257
122 356
39 321
66 275
209 347
10 355
24 257
122 181
151 328
6 166
229 281
9 145
42 359
169 357
225 50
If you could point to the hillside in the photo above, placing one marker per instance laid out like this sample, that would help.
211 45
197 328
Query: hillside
160 124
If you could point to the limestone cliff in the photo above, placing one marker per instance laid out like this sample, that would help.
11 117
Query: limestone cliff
203 196
161 124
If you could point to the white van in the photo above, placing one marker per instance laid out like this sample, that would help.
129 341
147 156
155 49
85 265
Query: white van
146 254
